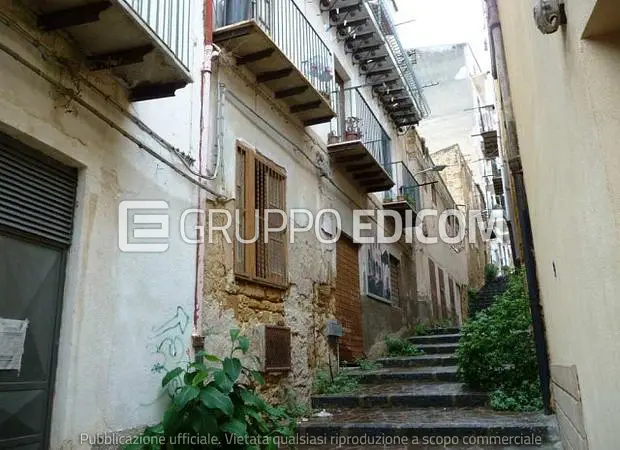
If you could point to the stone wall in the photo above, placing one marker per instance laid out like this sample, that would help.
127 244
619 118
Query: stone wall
305 306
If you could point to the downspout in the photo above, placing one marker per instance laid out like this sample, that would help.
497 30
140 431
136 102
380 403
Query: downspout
514 162
205 109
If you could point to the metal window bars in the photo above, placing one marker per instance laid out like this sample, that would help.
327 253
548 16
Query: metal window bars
288 27
170 20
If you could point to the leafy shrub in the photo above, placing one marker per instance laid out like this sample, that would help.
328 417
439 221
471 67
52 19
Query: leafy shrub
497 351
400 347
490 272
366 364
217 399
419 329
526 398
340 383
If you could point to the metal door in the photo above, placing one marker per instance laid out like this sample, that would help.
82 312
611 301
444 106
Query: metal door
37 197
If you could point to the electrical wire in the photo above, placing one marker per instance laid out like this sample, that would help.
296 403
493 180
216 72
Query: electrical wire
78 99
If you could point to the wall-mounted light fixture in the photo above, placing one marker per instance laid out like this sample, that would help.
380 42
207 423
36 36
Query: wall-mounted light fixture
549 15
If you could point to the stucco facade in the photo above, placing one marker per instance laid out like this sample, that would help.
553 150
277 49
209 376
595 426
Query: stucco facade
126 317
565 97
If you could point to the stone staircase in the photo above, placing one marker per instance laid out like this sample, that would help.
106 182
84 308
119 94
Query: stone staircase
417 402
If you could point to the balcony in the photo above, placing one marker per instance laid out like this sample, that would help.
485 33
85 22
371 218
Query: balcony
276 43
405 194
357 143
498 182
369 35
487 122
145 43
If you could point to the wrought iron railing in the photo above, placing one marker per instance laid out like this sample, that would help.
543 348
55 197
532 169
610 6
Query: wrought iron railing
406 188
355 121
170 20
288 27
401 57
486 118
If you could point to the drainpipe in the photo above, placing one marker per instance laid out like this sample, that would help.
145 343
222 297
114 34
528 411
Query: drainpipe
514 162
205 107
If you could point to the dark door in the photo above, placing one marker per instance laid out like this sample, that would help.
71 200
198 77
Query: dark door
433 281
348 301
37 197
442 294
452 302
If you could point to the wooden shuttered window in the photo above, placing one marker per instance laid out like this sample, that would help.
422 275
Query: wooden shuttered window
260 186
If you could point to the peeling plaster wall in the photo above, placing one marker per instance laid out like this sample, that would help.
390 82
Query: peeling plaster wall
308 302
126 317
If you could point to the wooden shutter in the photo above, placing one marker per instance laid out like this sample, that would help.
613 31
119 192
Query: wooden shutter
261 186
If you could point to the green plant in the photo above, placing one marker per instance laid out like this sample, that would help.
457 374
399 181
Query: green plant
293 407
216 404
400 347
525 398
496 351
490 272
366 364
419 329
324 383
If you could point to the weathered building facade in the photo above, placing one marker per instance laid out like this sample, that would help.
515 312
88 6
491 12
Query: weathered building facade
558 78
83 128
301 127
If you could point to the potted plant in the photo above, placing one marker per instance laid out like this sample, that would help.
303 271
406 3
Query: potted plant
352 129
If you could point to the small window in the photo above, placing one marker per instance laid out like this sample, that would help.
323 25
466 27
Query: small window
260 185
395 280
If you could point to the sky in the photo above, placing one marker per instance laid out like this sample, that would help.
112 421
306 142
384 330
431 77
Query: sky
440 22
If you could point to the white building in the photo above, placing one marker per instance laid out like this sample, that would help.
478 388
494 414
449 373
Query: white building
83 127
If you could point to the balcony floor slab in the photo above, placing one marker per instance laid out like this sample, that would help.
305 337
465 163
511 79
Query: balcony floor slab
259 54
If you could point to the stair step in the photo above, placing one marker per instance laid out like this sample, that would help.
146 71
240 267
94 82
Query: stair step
431 360
432 349
436 339
416 424
385 375
408 394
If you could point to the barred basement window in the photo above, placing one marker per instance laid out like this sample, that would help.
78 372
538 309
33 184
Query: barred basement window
260 186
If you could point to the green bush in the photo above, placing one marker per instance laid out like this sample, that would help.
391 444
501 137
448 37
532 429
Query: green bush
215 402
497 351
366 364
400 347
490 272
340 383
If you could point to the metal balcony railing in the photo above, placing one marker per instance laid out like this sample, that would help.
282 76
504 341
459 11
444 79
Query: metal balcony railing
170 21
288 27
406 188
401 57
355 121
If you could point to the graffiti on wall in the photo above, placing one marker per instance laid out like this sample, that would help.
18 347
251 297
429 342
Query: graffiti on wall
376 264
168 344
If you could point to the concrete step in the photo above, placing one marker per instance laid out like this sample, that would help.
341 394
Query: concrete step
432 360
448 330
436 339
416 394
416 426
387 375
433 349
